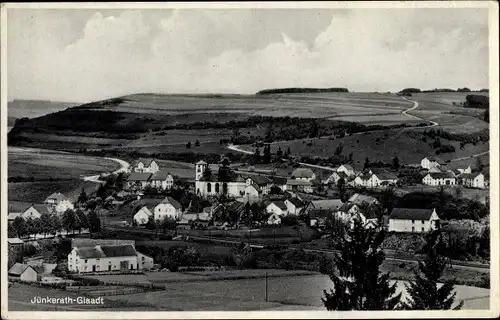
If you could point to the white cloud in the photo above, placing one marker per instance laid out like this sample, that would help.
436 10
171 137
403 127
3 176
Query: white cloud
244 51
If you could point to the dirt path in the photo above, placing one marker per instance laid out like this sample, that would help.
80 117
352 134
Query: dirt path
124 165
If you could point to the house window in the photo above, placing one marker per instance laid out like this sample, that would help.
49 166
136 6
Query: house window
413 221
423 229
423 221
86 260
413 229
209 187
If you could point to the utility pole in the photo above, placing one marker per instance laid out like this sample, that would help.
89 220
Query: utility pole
267 297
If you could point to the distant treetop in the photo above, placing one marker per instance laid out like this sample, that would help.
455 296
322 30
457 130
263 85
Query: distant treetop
302 90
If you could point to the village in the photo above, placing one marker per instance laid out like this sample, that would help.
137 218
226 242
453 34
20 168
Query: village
229 199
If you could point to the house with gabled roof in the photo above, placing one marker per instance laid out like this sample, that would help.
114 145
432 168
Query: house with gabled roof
143 213
347 211
305 174
473 180
294 206
347 169
139 179
359 198
382 178
146 165
23 272
431 162
413 220
168 207
58 202
335 177
262 182
162 180
277 207
33 211
107 258
439 179
298 185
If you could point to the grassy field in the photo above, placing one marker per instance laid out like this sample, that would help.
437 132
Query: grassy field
377 146
51 171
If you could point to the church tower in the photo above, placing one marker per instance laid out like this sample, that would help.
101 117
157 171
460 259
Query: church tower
201 166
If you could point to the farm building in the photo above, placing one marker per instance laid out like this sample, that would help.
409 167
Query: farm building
335 177
362 179
305 174
33 211
15 242
473 180
431 162
382 179
331 204
141 217
253 190
466 170
139 180
23 272
280 182
347 211
358 199
295 185
107 258
209 185
277 207
262 182
162 180
439 179
58 202
347 169
168 207
413 220
294 205
146 165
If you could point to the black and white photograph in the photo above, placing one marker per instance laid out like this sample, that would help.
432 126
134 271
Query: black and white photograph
268 159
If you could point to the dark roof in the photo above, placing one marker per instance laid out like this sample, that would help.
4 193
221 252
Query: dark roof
294 182
470 175
280 204
146 161
139 176
236 206
279 180
436 159
90 252
442 175
331 204
160 175
18 269
296 202
360 198
259 180
320 213
364 176
119 251
386 175
172 201
411 214
302 173
347 206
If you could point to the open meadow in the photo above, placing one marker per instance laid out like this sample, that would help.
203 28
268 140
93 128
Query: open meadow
36 173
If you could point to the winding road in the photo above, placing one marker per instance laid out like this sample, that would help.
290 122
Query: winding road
124 166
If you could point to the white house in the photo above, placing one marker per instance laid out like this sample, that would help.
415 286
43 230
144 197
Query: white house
335 177
473 180
253 191
294 206
467 170
146 165
263 182
299 185
431 162
105 258
23 272
347 211
33 211
209 185
413 220
305 174
58 202
139 179
162 180
439 179
277 207
168 207
347 170
382 179
274 219
141 217
362 179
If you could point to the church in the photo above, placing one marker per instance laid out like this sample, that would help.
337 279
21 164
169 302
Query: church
212 184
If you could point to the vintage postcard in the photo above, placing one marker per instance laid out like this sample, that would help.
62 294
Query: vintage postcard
249 160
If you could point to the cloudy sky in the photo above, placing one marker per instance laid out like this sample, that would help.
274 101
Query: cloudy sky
85 55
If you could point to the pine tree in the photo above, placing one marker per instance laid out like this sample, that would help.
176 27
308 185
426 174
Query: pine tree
279 153
82 198
358 284
395 162
197 143
367 163
423 292
188 145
